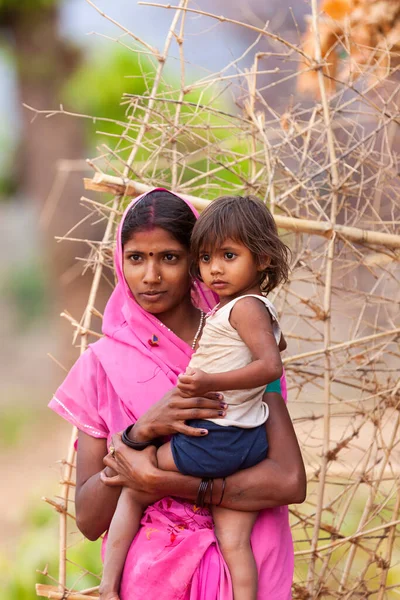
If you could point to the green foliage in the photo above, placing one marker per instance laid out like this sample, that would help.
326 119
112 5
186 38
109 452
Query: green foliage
38 548
26 287
12 425
26 5
96 88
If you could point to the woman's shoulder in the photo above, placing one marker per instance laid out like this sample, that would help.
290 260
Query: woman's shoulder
89 356
89 362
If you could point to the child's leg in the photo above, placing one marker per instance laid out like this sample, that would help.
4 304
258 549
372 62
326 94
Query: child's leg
124 526
232 530
165 459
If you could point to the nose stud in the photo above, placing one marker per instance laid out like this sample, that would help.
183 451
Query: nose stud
159 278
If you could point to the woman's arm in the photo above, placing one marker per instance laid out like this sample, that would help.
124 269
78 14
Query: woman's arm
281 478
276 481
95 502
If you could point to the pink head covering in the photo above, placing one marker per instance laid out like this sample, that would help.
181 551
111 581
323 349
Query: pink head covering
128 329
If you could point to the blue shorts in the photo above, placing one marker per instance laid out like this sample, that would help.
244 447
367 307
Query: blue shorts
222 452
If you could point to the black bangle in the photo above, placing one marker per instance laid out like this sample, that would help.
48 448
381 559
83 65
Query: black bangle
202 491
223 491
211 490
135 445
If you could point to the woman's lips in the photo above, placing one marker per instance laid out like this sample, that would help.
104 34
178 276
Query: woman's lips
152 296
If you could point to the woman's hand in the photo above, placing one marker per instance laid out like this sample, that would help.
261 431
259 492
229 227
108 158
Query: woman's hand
169 414
278 480
133 469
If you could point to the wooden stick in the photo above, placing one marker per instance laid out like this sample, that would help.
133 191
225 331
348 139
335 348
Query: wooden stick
66 476
341 346
127 187
80 329
222 19
350 538
389 550
50 591
312 580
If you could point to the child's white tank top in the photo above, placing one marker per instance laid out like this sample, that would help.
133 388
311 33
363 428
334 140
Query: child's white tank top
222 349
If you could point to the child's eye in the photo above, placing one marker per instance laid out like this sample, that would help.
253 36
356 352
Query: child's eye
229 255
205 258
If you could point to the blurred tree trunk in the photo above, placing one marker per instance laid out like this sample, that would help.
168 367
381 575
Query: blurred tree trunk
44 61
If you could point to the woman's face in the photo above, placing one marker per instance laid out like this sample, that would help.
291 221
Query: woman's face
156 269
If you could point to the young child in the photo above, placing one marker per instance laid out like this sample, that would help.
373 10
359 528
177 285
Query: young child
239 255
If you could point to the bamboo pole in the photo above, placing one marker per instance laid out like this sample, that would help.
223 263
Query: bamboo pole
312 581
389 550
349 538
179 40
50 591
127 187
92 296
66 476
342 346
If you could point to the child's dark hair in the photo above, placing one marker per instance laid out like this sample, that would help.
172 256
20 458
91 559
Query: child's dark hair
246 220
163 209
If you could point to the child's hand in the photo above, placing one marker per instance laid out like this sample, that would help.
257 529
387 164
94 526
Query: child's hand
194 382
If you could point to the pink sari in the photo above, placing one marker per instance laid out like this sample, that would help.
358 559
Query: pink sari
174 555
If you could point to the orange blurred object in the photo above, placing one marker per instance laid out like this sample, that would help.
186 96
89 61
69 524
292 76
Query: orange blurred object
355 36
337 9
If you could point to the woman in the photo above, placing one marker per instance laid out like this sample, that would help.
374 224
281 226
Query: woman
150 326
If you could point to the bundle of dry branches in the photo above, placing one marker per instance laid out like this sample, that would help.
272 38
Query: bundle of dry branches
360 34
330 176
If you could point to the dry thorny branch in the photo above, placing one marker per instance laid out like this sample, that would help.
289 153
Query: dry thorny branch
326 168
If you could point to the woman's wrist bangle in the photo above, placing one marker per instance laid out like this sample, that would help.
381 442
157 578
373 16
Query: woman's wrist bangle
135 445
211 491
222 491
202 491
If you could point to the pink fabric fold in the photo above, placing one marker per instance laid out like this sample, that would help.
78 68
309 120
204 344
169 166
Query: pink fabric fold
174 555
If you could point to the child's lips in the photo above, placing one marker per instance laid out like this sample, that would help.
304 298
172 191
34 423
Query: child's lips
218 283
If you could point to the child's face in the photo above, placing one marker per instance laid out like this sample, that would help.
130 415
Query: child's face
230 270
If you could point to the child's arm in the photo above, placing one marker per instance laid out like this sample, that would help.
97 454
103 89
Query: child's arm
282 344
252 321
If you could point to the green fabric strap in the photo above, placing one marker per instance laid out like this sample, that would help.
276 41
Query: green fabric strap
274 386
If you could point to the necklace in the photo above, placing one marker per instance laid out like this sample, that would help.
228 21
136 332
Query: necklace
196 337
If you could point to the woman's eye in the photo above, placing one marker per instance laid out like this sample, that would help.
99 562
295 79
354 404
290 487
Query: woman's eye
229 255
170 257
134 257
